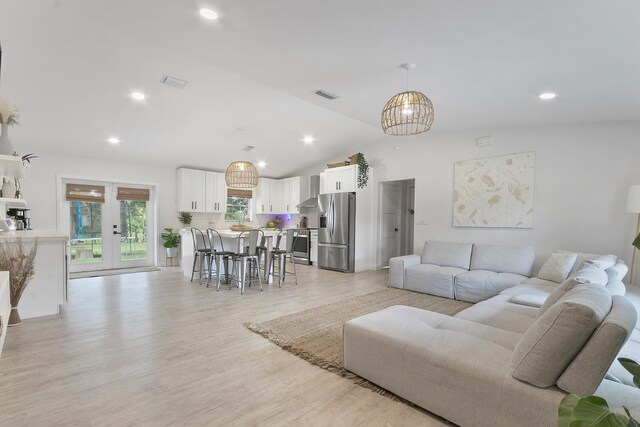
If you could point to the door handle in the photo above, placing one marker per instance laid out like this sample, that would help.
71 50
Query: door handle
117 232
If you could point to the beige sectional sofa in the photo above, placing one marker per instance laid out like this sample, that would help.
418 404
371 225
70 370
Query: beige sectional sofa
475 272
508 360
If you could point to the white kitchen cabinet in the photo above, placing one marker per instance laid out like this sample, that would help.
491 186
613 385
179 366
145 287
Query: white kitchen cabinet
339 180
47 289
285 194
265 196
281 196
277 196
216 192
191 190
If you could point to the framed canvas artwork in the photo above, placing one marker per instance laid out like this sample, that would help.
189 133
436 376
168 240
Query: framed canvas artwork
494 191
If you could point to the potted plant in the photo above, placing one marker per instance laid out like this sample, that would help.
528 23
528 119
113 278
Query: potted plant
170 241
363 169
594 411
185 219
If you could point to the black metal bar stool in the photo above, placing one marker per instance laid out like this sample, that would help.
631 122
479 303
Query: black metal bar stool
220 256
201 251
281 257
244 258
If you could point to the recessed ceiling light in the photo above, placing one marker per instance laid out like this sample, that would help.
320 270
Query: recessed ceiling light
113 140
208 14
547 95
262 164
308 139
138 96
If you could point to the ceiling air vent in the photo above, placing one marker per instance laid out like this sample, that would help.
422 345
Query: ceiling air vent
325 94
174 82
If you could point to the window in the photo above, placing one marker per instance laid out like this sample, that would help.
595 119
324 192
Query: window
238 205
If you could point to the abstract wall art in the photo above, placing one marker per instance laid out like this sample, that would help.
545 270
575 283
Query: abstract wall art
494 191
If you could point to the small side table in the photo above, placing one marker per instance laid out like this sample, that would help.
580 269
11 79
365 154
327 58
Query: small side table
171 261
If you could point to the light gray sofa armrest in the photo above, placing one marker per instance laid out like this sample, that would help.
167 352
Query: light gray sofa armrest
397 265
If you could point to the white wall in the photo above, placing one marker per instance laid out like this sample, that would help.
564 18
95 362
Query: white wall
39 186
583 173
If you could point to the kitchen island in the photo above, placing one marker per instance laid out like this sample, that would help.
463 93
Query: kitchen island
47 290
229 240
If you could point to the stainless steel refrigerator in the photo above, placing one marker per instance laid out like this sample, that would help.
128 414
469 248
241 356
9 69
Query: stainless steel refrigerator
336 231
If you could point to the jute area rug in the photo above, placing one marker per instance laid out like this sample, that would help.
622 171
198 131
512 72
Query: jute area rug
316 334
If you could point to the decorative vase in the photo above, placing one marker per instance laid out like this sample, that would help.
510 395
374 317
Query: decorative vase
14 317
6 147
9 190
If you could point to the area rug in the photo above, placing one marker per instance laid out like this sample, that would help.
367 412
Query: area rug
316 334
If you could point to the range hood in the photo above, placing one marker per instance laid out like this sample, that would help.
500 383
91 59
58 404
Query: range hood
314 190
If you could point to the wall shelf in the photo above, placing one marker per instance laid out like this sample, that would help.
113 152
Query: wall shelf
13 203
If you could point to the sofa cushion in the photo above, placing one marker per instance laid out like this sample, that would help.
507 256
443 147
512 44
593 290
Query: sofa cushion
503 259
604 261
557 267
530 300
431 279
499 313
555 338
533 286
589 367
616 287
447 254
618 271
479 285
589 273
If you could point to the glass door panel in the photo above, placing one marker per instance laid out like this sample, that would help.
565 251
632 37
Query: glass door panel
86 233
133 229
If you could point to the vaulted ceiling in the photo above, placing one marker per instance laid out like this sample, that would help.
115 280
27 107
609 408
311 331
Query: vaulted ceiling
71 65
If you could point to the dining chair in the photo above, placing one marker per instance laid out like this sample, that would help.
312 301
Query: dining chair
281 256
201 252
219 255
246 256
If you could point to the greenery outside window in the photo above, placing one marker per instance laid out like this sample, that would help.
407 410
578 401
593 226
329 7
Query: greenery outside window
239 205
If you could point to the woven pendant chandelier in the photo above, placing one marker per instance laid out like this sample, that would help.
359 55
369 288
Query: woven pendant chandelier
407 113
241 174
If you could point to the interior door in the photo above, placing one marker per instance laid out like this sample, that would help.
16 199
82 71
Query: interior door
389 236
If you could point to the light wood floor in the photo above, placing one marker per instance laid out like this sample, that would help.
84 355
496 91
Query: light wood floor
153 349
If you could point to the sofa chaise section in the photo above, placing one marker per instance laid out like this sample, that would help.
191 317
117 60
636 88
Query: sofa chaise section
475 374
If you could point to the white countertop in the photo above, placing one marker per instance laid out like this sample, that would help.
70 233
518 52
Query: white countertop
41 235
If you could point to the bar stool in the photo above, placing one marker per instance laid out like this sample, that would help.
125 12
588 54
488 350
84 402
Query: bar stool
219 255
281 256
263 251
201 251
269 261
246 254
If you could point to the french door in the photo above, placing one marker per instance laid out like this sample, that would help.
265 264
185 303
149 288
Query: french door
110 225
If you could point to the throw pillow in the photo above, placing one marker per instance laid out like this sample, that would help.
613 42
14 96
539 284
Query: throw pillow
557 267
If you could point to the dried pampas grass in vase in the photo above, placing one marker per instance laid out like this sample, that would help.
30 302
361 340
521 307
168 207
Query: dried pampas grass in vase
19 262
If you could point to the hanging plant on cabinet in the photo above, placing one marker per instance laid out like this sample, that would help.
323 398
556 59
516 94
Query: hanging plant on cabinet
363 170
